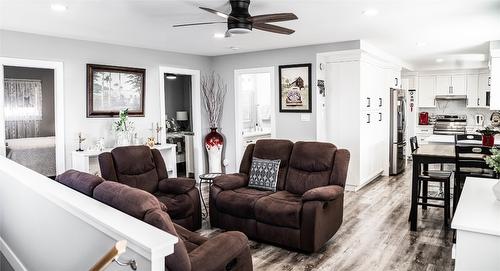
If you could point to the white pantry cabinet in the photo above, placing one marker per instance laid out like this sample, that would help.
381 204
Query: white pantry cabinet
426 91
477 86
357 111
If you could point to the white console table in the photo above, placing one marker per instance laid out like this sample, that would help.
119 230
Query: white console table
477 221
86 161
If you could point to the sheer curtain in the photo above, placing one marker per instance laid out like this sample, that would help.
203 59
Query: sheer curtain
22 107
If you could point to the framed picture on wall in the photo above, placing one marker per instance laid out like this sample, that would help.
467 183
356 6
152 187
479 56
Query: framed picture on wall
111 89
295 88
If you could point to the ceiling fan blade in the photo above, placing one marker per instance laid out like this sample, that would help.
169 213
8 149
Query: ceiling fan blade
193 24
273 28
220 14
271 18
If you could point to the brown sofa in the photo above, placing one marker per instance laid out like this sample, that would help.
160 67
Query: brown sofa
304 212
226 251
143 168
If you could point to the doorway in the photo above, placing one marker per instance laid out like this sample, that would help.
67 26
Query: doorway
31 114
255 111
180 110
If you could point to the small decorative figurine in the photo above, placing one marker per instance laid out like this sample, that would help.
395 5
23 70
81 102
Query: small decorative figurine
80 140
151 142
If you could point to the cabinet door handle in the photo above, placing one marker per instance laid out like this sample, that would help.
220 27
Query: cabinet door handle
379 116
368 119
450 89
467 101
379 102
477 101
368 102
489 81
397 81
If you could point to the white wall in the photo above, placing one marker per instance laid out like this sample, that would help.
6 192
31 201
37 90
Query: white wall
75 54
288 125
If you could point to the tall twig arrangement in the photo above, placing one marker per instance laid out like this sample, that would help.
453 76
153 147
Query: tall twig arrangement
214 90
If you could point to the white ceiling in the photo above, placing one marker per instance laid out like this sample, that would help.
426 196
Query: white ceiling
451 29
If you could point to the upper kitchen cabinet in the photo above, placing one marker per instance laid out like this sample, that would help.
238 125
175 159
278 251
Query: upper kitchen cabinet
426 91
450 84
477 87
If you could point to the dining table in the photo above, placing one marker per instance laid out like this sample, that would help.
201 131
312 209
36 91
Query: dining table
425 155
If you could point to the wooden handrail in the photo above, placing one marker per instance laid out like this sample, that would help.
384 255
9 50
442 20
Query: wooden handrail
119 248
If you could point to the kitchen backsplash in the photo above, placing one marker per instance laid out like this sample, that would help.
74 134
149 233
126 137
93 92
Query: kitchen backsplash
458 107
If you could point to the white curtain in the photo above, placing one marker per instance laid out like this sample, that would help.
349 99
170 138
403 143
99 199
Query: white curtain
22 107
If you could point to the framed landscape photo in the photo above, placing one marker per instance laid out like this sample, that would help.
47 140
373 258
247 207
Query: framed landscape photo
295 88
111 89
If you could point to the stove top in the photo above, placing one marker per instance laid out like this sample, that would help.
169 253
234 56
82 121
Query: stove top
450 124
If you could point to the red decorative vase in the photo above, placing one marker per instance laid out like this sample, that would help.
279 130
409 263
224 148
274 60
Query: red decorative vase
488 140
213 144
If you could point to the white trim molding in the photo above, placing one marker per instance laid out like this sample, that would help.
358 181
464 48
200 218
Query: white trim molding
195 114
11 258
58 97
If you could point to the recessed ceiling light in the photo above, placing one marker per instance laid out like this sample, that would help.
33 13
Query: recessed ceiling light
421 43
439 60
58 7
219 35
234 48
370 12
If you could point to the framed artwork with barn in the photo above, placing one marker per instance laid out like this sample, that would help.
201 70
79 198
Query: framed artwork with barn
111 89
295 88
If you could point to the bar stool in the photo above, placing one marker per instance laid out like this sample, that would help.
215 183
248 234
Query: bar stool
427 176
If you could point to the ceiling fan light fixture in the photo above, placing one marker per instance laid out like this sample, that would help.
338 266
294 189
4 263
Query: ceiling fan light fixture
170 76
239 30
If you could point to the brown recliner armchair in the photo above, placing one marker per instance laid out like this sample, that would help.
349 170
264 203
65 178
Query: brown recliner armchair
226 251
143 168
304 212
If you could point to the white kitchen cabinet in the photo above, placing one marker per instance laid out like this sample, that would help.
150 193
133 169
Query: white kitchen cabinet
458 84
450 84
483 87
352 85
443 85
472 90
426 91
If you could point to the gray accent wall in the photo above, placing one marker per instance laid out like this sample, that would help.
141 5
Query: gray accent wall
75 54
288 125
47 78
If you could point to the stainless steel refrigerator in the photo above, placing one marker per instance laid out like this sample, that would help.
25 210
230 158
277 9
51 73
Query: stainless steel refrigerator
397 143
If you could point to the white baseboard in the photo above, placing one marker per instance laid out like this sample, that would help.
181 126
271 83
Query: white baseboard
11 257
354 188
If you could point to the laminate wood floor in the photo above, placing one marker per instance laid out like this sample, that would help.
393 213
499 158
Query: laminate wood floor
375 235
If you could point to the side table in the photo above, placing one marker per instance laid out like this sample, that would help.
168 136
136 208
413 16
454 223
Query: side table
206 178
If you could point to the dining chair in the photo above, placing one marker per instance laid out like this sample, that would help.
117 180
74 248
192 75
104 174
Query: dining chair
427 176
470 163
467 139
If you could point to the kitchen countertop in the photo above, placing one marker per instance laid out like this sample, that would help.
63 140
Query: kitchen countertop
448 139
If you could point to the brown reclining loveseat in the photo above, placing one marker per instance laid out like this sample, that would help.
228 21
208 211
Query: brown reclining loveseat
306 209
193 252
144 168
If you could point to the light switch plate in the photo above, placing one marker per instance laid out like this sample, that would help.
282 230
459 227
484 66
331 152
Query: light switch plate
305 117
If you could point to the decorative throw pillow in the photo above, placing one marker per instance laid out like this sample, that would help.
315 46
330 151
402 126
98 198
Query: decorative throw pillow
264 174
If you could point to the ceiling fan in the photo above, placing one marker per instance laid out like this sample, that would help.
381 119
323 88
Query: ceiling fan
239 21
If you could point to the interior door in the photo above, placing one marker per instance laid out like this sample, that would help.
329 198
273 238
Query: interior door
3 150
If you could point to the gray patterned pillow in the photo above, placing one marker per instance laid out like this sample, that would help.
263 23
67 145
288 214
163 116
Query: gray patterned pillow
264 174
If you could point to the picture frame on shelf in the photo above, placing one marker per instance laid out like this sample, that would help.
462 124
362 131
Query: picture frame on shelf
113 88
295 92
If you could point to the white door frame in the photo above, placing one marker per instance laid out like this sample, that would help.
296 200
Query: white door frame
195 111
58 103
237 119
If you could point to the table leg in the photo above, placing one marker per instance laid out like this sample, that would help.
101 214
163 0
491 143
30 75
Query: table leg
204 215
414 194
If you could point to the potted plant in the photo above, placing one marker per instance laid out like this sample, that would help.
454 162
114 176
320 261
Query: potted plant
494 162
214 90
488 134
123 129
